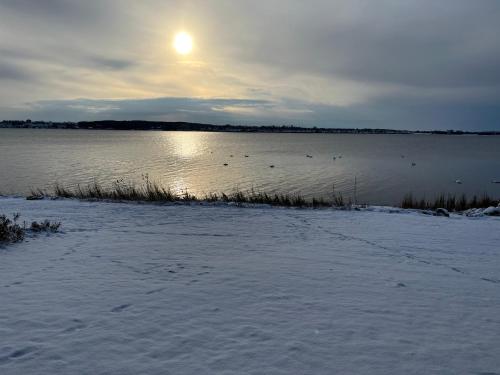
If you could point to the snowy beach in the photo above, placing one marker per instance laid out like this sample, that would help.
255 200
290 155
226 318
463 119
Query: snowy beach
220 289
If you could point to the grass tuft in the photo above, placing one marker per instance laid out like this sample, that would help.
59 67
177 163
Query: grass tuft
45 226
11 231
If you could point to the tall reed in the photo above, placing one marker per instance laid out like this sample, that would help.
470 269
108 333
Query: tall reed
451 202
151 191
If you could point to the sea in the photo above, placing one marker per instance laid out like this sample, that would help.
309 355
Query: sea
374 169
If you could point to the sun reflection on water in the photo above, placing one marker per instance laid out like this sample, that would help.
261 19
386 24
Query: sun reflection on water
185 145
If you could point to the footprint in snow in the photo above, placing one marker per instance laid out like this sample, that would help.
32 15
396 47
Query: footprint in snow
495 281
18 353
77 325
457 270
120 308
155 291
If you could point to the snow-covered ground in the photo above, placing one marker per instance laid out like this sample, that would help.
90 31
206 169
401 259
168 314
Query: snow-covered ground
151 289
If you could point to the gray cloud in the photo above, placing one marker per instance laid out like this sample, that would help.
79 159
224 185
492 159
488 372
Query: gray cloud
49 11
395 113
389 63
110 63
182 109
416 43
13 72
39 6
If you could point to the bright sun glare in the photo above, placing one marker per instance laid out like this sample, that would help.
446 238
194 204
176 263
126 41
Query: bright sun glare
183 43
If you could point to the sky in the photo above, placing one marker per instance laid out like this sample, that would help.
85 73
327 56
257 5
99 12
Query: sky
405 64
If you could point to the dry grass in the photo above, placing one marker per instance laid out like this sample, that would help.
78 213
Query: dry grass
11 231
450 202
150 191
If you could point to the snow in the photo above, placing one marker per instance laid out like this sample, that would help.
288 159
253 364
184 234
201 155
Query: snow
210 289
492 211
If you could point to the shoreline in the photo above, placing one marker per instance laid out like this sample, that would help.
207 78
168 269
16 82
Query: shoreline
491 211
152 191
241 129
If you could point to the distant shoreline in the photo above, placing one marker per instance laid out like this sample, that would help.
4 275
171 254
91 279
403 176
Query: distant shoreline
190 126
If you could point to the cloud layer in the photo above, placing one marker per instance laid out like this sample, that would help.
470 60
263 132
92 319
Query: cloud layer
401 64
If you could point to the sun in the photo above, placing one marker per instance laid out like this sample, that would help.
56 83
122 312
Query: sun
183 43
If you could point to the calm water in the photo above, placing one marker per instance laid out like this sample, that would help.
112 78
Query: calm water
382 164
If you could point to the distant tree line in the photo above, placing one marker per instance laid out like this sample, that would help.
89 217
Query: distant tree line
191 126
